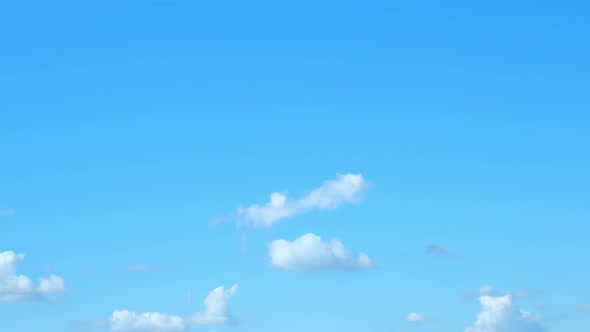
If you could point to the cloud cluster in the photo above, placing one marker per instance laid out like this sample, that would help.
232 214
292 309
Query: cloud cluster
310 253
345 189
216 312
499 314
15 287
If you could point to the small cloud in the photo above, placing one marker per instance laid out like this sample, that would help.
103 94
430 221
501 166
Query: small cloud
87 326
7 212
310 253
145 267
15 287
345 189
217 220
584 307
415 318
243 243
437 250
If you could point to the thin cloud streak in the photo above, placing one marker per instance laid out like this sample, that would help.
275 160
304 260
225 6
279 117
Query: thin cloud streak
345 189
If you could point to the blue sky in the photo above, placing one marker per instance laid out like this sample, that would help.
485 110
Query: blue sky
429 163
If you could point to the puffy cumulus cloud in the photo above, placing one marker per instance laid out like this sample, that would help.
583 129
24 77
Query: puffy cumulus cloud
52 284
345 189
216 307
125 320
415 318
15 287
499 314
216 312
310 253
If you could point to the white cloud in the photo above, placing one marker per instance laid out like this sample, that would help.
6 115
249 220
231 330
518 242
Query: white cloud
415 318
345 189
499 314
216 307
216 312
15 287
124 320
309 252
53 284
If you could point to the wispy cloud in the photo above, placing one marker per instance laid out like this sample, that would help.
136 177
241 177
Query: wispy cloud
525 294
243 243
437 250
584 307
415 318
146 267
310 253
87 326
345 189
7 212
15 287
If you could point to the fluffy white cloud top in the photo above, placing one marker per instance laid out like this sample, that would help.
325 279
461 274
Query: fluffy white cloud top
345 189
489 290
216 307
499 314
15 287
310 253
216 312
